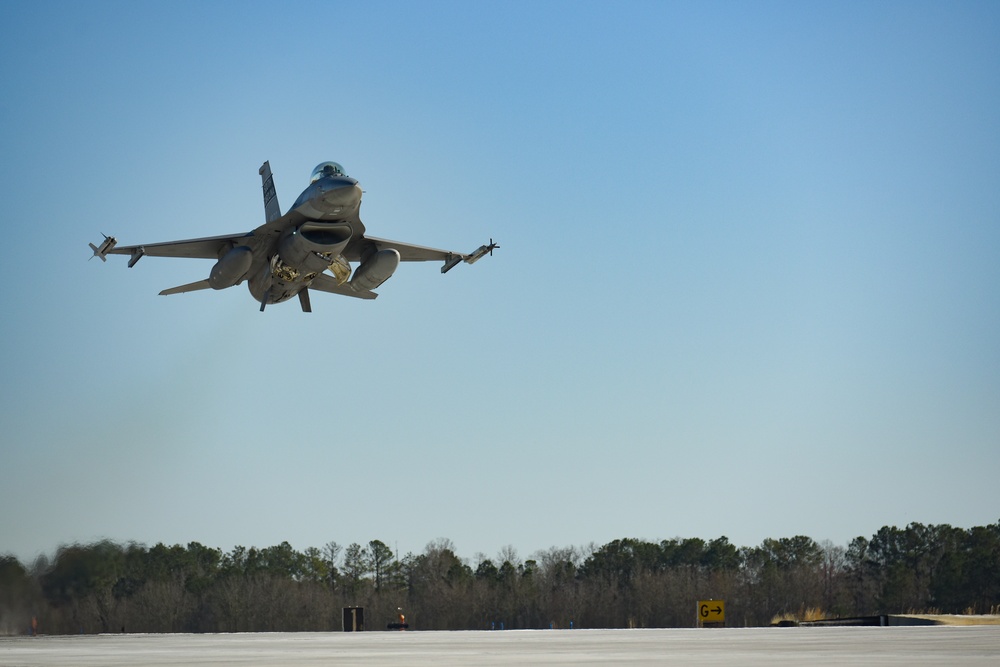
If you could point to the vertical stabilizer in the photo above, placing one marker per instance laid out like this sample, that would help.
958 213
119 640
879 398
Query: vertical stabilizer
271 209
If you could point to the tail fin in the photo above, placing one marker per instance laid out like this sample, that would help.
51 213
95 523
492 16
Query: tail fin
271 209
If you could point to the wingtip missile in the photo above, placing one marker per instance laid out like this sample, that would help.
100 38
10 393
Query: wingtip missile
453 260
105 247
481 252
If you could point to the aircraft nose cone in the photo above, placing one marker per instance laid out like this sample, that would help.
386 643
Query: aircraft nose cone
342 188
342 192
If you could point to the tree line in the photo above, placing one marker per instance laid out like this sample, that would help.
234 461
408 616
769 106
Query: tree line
111 587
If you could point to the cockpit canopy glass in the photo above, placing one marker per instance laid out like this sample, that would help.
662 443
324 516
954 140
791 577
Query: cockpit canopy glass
326 169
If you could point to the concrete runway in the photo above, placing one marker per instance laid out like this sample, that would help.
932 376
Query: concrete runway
750 646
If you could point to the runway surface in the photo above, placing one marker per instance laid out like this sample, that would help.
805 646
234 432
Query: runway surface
751 646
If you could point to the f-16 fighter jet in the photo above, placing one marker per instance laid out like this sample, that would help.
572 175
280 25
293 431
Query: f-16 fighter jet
310 247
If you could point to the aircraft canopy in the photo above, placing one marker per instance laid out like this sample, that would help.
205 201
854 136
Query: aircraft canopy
325 169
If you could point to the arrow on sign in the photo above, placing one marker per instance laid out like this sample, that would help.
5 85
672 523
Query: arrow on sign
704 610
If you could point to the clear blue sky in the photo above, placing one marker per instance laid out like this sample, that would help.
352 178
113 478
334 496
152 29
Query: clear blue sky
749 282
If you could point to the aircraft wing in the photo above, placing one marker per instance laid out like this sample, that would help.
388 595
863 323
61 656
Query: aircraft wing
409 252
206 248
414 253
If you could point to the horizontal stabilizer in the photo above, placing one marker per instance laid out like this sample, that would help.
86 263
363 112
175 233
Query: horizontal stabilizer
326 283
190 287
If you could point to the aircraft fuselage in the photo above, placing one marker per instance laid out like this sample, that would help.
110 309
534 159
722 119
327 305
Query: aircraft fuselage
328 210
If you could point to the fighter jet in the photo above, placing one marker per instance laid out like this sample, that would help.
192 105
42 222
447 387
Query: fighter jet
310 247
